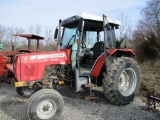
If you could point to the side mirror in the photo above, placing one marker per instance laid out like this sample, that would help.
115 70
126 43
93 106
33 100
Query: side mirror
56 34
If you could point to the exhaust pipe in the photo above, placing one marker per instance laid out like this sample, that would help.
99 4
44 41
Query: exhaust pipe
77 79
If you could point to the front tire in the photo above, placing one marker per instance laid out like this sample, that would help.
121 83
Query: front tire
46 104
121 84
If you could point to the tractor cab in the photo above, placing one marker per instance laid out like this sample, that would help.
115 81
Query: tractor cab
89 38
83 34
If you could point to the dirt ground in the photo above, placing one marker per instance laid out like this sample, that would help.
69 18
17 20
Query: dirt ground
12 107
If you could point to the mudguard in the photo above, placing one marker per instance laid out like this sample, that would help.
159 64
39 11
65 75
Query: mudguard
101 59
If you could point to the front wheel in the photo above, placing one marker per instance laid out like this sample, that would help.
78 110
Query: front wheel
46 104
122 83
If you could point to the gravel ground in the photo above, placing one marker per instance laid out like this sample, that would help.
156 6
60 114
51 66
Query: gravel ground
12 107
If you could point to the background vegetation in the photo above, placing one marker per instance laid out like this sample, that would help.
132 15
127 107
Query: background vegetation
146 43
146 37
8 40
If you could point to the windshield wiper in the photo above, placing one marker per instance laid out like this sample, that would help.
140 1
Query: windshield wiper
70 40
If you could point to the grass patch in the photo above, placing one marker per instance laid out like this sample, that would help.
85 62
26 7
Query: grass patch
150 72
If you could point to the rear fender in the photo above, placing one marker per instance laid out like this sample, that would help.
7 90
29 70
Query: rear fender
122 52
101 59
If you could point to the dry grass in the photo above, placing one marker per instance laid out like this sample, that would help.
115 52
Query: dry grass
150 72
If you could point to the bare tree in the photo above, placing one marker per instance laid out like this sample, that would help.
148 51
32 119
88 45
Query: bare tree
147 35
125 27
14 39
31 29
38 29
50 44
35 29
2 33
151 17
48 39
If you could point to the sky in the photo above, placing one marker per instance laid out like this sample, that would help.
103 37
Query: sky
24 13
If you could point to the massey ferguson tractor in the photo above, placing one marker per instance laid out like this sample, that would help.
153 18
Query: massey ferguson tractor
86 57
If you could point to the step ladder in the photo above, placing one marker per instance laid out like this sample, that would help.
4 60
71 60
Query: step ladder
90 86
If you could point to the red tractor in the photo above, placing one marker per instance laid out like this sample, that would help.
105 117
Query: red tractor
84 59
7 61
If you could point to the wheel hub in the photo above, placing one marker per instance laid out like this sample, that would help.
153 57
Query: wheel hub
46 109
124 81
127 82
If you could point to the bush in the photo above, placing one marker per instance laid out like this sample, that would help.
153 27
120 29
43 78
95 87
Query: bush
148 49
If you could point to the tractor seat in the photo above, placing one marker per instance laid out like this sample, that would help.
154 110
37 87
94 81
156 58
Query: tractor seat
96 50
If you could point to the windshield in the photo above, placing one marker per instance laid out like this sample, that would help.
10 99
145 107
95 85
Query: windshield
69 36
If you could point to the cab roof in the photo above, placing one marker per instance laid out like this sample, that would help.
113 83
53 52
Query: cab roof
89 17
98 18
92 22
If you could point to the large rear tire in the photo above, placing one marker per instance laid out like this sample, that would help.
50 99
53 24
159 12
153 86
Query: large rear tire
46 104
121 84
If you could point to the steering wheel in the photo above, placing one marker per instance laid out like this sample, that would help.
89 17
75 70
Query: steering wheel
83 45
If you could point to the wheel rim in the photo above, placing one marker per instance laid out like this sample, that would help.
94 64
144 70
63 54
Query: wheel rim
46 109
127 82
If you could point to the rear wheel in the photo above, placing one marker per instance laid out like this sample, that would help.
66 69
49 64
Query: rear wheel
46 104
122 83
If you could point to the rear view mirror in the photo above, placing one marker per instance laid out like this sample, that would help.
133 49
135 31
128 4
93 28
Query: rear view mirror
56 34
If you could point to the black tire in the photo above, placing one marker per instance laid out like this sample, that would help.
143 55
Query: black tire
48 98
121 84
25 91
